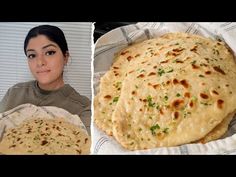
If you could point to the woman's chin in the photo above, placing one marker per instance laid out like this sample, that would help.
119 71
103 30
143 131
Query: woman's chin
44 82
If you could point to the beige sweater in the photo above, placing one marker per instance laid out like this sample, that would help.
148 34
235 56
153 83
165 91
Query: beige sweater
65 97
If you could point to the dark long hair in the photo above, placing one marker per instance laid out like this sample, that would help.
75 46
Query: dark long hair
53 33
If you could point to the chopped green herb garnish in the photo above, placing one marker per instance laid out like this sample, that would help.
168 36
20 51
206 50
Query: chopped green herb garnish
136 86
198 43
161 72
153 128
140 129
215 51
142 70
201 75
166 98
150 103
118 85
149 98
115 99
186 113
174 61
206 104
166 130
178 95
193 62
194 98
169 71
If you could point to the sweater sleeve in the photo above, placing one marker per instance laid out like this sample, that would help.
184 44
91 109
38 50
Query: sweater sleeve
4 104
85 114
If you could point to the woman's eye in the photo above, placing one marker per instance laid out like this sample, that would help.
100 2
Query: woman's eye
31 56
50 52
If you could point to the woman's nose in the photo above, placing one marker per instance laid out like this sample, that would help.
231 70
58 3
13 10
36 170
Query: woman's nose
41 60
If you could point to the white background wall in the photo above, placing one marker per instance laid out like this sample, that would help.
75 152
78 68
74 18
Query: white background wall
13 62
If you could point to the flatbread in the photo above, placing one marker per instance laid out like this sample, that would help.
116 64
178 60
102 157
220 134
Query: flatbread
45 136
182 95
126 62
218 131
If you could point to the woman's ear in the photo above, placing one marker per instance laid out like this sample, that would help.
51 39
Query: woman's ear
66 57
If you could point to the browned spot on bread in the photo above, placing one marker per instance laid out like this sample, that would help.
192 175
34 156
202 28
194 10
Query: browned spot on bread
131 71
44 142
194 49
215 92
187 94
204 96
168 82
137 55
144 62
107 96
129 58
124 52
191 104
166 61
184 83
218 69
176 115
178 50
156 86
175 81
161 112
220 103
140 76
195 66
177 103
151 74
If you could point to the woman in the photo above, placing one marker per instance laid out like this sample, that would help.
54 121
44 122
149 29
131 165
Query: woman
46 49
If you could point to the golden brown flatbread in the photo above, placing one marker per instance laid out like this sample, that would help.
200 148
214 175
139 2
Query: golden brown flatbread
45 136
181 88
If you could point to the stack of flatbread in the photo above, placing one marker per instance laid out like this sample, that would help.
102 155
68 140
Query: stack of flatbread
168 91
45 136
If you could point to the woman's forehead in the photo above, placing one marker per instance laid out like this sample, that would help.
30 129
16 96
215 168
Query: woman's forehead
40 42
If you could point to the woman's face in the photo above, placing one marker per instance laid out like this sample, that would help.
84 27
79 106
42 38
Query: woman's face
46 62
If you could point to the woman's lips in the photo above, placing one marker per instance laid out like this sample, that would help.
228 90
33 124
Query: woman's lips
43 72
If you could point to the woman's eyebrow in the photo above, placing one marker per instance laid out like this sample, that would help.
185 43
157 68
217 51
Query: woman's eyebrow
28 50
49 45
44 47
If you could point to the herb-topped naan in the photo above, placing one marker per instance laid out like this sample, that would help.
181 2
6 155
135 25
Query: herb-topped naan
45 136
178 95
